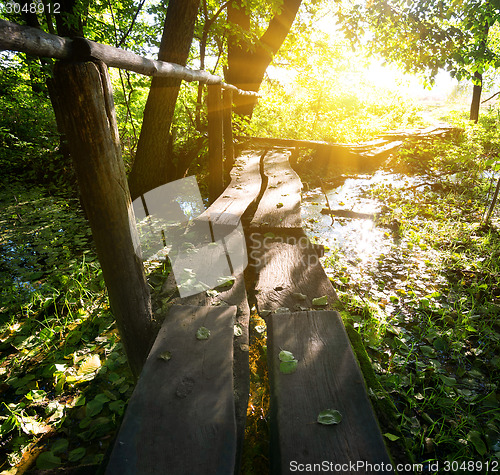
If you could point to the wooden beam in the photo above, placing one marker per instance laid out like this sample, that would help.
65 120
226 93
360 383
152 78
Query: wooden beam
33 41
85 94
181 416
289 273
215 142
36 42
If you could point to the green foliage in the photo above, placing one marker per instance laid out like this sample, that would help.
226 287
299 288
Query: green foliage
28 134
63 369
322 93
426 36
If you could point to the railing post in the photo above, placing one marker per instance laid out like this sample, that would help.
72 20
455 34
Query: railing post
86 99
227 125
215 146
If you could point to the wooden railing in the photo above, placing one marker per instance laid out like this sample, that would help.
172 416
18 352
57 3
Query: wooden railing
36 42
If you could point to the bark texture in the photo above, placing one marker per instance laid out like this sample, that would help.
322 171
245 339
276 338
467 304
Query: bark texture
246 64
90 122
476 97
153 164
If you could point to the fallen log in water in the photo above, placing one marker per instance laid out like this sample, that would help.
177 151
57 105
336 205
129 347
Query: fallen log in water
359 157
346 213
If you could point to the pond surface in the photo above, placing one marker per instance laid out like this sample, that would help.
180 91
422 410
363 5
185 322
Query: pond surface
361 240
361 254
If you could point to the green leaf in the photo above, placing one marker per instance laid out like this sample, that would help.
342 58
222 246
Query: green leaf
36 395
94 407
76 454
427 351
329 417
202 333
440 344
60 445
320 301
8 425
286 356
47 461
475 438
165 356
117 406
288 367
79 401
89 365
448 381
391 437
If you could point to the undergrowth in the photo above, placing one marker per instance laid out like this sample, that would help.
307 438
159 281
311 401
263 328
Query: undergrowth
65 377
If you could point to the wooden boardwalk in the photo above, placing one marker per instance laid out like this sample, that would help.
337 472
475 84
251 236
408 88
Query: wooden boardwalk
187 415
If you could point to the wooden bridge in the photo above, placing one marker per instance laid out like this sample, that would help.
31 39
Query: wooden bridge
187 415
188 411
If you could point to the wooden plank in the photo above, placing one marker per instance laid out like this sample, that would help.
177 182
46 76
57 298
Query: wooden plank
180 418
279 206
327 377
242 191
235 295
312 144
286 266
86 97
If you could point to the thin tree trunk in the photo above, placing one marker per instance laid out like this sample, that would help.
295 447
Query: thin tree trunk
152 165
247 66
227 125
215 144
476 97
493 202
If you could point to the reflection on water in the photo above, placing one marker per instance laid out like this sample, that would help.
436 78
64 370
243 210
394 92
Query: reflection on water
359 240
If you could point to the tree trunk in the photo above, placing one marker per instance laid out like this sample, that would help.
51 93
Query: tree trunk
90 124
247 66
215 146
153 165
476 97
227 126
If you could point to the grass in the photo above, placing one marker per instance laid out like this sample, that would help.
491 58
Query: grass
65 377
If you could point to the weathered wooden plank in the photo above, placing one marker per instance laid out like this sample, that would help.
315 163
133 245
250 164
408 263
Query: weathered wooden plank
288 273
312 144
279 206
234 295
180 418
36 42
327 377
242 191
86 97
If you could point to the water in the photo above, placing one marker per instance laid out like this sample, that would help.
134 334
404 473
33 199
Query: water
360 240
